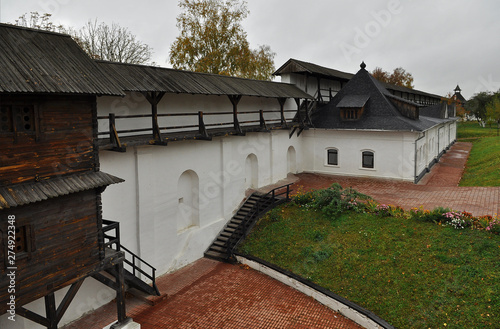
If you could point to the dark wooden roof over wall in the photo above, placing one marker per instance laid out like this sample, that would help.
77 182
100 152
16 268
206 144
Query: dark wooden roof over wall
35 61
141 78
296 66
26 193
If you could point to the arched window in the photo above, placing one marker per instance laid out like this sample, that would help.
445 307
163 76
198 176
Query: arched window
332 157
368 159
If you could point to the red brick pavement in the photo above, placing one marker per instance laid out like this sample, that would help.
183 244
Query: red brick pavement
437 188
209 294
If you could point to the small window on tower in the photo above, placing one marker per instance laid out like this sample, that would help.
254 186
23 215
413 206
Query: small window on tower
24 118
5 119
21 245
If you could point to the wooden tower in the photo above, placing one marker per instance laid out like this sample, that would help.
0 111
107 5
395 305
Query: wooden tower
52 233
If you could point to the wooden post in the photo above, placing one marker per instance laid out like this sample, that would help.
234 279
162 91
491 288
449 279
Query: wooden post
113 134
202 130
282 101
299 117
120 293
154 98
263 125
50 310
235 99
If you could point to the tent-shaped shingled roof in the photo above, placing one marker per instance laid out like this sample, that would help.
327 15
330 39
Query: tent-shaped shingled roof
379 113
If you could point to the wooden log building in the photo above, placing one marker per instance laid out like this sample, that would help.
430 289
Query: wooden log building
52 233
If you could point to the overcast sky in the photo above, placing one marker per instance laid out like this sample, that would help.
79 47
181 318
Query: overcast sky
442 43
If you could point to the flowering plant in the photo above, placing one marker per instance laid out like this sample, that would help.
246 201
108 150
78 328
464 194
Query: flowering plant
455 219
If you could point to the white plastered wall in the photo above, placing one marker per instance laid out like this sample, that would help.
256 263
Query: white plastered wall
394 152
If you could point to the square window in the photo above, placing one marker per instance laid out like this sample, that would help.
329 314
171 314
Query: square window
368 159
333 157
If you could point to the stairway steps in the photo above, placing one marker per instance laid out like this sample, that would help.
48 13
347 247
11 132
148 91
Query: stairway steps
218 249
216 255
233 230
219 243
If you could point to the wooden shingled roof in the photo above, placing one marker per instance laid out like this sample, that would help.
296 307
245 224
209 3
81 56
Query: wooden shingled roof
36 61
26 193
297 66
141 78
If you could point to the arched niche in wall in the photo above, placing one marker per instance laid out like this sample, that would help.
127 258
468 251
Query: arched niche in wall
188 201
251 171
291 160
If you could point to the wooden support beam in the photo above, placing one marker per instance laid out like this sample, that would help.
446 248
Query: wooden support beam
263 125
308 117
201 127
282 101
154 98
50 310
53 314
106 281
299 117
68 298
113 135
120 293
320 97
30 315
235 99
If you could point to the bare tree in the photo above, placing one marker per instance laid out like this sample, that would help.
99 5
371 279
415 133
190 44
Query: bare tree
39 21
112 43
99 40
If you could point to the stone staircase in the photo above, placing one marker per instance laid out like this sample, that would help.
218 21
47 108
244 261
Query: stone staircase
242 222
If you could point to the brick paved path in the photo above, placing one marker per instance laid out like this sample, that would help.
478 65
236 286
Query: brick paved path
208 294
437 188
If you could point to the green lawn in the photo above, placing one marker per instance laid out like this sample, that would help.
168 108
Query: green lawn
483 165
472 130
413 274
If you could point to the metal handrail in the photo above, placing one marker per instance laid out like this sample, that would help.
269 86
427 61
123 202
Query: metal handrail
256 209
109 225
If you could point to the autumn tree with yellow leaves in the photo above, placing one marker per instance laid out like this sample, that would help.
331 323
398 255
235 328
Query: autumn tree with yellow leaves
212 40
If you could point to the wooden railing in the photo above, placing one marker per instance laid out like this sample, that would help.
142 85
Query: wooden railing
200 128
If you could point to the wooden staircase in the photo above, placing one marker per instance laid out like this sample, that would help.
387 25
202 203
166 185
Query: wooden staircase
242 222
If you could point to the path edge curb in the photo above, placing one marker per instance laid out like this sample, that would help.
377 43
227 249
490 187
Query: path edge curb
350 310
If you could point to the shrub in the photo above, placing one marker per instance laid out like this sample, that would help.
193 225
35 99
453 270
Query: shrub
333 200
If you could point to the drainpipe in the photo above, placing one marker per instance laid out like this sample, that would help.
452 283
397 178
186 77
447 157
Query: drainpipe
416 158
